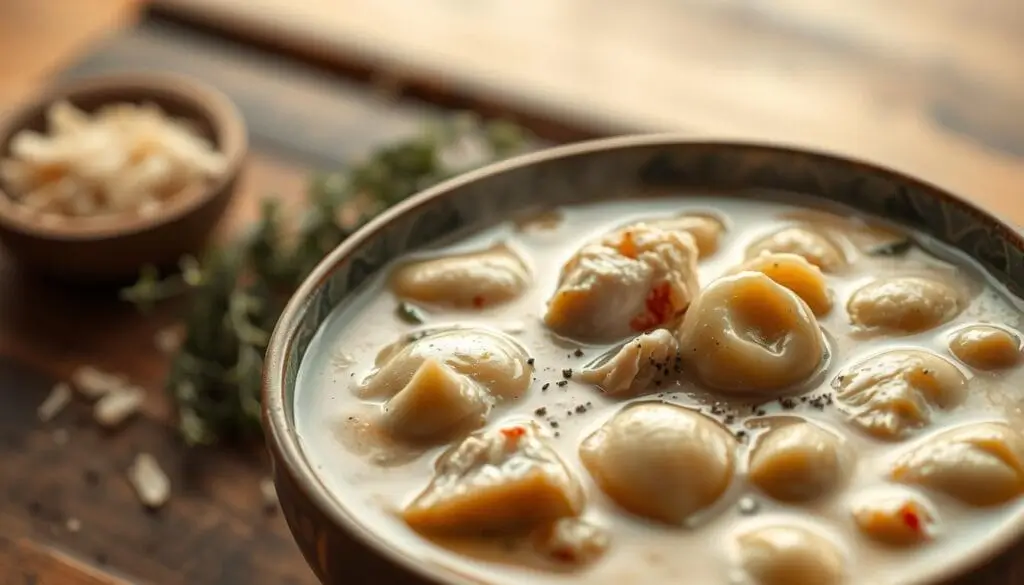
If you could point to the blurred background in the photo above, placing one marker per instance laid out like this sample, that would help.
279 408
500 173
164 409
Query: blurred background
931 87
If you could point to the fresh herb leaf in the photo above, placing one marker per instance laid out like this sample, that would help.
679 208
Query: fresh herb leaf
410 313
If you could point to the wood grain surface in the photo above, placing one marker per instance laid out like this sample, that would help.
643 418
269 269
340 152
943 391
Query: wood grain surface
929 86
888 81
39 38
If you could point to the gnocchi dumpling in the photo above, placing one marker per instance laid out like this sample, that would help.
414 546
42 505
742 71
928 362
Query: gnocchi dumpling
805 241
488 357
705 228
907 304
798 462
780 554
661 461
633 280
436 401
895 392
797 274
746 333
981 464
894 518
470 280
649 360
503 480
868 236
986 347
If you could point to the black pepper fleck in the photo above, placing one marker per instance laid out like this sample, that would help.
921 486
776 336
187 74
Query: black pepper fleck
562 383
580 409
545 386
531 361
567 373
553 423
541 411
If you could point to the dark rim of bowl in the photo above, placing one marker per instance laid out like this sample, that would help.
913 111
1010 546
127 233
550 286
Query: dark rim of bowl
230 134
281 434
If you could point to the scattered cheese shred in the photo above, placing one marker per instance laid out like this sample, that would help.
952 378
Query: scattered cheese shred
55 402
151 484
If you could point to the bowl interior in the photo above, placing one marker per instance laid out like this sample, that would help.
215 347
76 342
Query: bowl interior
209 113
612 169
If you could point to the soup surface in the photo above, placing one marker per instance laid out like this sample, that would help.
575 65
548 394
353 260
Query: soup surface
709 389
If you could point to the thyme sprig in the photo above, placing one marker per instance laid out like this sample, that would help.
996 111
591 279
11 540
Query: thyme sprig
236 291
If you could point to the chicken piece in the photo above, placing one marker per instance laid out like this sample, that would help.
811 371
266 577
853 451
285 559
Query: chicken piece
571 540
471 280
981 464
799 462
661 461
488 357
436 402
893 393
795 273
748 334
631 281
986 347
705 228
907 304
789 555
645 362
499 481
813 245
894 518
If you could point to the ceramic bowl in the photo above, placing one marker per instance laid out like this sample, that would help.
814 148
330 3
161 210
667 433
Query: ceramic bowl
339 548
116 249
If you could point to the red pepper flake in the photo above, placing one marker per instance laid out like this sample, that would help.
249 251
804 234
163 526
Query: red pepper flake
911 518
513 433
564 554
627 245
478 301
659 308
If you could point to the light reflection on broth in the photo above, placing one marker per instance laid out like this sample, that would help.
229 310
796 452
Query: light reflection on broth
879 531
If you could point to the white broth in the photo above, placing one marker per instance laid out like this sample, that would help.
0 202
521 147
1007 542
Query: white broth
870 521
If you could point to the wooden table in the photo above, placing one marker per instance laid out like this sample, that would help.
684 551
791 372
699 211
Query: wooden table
67 515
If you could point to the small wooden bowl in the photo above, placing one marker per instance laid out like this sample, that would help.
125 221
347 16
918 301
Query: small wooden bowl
117 247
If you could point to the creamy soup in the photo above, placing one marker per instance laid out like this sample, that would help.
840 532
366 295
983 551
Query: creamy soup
700 389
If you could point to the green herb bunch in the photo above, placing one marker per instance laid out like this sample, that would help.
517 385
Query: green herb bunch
236 292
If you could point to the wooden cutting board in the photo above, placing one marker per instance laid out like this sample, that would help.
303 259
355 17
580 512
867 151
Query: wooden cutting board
933 87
